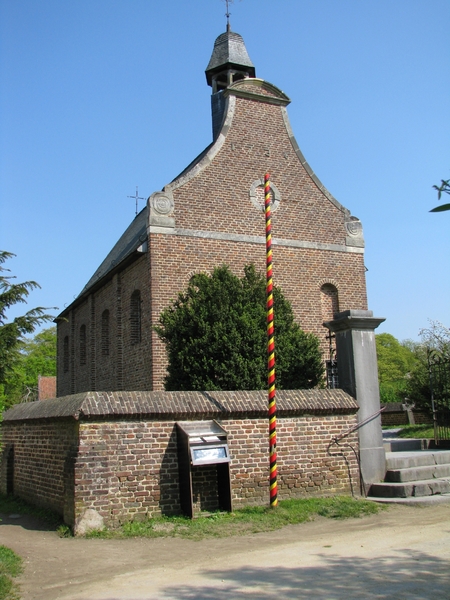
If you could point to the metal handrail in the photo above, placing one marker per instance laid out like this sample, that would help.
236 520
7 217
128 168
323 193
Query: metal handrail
358 425
337 439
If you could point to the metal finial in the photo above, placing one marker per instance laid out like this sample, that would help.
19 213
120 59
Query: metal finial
137 197
227 14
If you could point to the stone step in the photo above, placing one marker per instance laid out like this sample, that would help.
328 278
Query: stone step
427 487
413 500
418 473
407 460
399 445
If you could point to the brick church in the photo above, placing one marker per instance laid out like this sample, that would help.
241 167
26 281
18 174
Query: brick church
210 214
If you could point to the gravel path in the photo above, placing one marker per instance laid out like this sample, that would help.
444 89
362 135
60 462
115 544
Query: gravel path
403 552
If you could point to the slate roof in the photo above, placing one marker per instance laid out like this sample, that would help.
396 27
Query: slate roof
229 50
182 405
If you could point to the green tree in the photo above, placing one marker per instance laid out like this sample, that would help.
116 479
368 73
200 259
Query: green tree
12 333
216 338
395 362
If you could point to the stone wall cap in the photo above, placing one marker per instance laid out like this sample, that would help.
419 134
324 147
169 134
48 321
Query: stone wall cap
182 405
257 89
354 319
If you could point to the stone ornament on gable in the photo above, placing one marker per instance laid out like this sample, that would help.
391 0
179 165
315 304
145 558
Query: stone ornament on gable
256 194
354 230
161 206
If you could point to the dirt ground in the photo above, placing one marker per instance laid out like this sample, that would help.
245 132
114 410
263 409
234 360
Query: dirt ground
403 552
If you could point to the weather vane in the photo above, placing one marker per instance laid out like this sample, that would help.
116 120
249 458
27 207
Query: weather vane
227 14
137 197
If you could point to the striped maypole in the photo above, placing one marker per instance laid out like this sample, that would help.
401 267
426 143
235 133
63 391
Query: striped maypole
270 350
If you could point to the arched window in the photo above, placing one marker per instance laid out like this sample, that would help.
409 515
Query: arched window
135 317
329 300
330 306
83 345
105 333
66 354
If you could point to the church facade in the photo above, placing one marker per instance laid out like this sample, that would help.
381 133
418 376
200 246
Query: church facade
211 214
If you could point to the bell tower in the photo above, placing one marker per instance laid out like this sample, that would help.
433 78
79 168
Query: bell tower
229 62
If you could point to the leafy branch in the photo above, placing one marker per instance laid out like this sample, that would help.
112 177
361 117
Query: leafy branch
444 188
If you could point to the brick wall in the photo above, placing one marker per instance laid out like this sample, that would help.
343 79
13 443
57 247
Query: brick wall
117 453
44 452
394 414
134 466
300 274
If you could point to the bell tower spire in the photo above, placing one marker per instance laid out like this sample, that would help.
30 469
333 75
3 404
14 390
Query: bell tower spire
229 61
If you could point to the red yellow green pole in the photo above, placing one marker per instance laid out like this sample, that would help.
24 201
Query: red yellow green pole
270 349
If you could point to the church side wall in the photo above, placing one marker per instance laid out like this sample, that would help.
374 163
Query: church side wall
112 363
299 272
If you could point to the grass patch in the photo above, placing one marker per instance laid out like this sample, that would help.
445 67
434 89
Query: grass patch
416 431
10 567
10 504
252 519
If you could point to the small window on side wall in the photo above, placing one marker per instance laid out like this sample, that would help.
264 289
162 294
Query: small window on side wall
83 345
135 317
105 333
66 354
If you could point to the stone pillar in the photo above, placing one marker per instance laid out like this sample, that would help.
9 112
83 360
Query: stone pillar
358 376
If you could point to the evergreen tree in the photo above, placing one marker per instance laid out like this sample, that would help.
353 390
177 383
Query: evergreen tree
12 333
216 336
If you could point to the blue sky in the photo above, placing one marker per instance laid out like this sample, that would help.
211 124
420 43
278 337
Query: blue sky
98 96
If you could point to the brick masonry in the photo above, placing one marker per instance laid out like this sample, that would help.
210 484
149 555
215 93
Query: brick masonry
394 414
38 461
116 452
46 387
209 217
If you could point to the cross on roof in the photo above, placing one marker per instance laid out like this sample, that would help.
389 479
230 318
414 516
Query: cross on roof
137 197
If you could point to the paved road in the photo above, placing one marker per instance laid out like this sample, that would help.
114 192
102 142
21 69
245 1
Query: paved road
401 553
